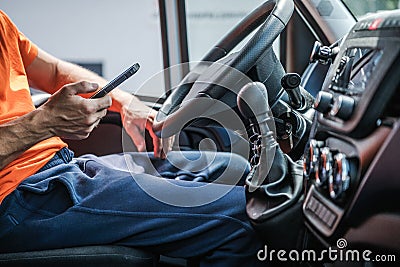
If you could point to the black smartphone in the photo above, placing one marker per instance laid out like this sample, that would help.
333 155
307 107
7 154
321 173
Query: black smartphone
117 81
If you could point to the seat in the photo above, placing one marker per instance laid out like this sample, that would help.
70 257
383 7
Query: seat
88 256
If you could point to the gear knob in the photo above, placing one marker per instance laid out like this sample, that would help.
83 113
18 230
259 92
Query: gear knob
253 101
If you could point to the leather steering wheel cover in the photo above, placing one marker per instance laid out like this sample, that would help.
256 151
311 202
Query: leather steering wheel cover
246 58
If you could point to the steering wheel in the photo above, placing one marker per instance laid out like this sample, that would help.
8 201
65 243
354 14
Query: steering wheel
185 102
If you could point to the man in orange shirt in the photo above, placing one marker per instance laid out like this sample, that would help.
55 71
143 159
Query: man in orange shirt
51 200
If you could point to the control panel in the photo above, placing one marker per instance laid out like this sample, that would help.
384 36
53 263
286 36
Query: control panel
350 101
331 168
353 110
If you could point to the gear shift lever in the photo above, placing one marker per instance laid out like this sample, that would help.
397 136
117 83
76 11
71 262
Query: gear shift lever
255 94
253 104
274 182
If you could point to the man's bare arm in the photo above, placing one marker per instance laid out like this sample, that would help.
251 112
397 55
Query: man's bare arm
49 73
20 134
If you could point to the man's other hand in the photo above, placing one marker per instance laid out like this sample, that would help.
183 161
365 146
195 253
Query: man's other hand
136 118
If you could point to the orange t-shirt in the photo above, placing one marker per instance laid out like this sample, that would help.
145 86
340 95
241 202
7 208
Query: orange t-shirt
16 53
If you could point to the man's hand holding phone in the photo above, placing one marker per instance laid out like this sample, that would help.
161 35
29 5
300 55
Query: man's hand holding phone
75 117
68 115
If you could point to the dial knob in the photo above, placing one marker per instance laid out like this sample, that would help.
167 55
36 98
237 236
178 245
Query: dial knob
339 181
342 107
323 102
310 162
325 166
253 101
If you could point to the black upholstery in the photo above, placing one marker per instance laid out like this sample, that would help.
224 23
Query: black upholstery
90 256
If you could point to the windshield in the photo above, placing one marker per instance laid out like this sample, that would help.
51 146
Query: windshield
362 7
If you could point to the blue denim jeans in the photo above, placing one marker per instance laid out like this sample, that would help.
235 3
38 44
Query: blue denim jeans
105 200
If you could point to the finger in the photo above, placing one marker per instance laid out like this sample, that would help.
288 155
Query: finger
90 123
163 154
101 113
137 138
165 148
152 114
101 103
92 120
81 88
95 124
167 144
156 142
92 107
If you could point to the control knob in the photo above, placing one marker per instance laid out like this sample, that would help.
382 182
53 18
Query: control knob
325 167
311 161
343 107
323 102
339 181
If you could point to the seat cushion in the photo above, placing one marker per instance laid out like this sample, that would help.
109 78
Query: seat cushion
96 256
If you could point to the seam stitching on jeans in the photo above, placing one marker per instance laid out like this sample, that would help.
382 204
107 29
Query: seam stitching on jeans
158 215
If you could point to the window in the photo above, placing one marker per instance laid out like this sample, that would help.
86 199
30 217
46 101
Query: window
209 20
112 34
362 7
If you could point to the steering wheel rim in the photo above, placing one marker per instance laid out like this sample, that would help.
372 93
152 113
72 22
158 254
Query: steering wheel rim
169 118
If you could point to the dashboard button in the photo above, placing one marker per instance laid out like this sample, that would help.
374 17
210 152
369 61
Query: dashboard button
343 107
319 209
322 213
330 219
312 205
323 102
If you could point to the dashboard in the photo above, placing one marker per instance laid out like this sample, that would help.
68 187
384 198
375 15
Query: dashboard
351 164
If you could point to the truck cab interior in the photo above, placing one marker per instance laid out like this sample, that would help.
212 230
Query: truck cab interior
317 80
